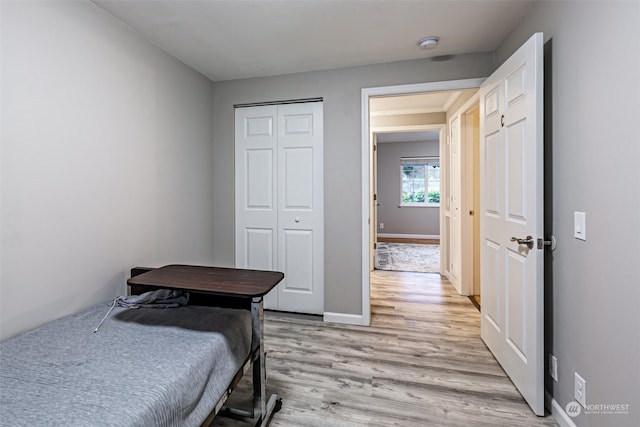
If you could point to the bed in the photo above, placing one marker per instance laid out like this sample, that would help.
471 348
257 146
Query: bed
145 366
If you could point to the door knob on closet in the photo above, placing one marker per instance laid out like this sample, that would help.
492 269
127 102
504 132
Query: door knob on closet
297 219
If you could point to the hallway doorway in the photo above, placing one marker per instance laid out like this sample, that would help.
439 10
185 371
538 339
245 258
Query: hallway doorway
402 119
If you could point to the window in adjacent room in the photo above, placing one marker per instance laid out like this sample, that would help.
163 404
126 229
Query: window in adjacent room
420 181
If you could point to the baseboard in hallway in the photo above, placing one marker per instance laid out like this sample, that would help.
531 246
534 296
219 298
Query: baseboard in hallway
408 240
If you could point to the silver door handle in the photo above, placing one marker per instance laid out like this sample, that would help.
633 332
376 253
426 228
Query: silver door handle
297 219
526 241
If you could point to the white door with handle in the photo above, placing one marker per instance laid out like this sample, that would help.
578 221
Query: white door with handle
279 200
511 165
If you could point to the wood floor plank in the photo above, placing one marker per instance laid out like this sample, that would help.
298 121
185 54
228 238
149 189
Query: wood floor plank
420 363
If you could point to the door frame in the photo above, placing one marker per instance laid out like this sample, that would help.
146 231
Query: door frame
471 196
367 160
468 164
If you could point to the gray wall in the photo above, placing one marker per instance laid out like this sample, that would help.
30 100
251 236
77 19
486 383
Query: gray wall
341 90
406 219
106 160
592 150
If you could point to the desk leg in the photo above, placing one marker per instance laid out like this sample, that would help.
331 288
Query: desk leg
262 409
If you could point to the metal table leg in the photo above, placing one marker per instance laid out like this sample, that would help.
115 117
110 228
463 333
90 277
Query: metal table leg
262 409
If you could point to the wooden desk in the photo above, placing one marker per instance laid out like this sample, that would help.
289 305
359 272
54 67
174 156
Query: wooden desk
212 280
226 282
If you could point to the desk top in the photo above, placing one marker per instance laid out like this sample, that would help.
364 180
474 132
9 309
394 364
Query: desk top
215 280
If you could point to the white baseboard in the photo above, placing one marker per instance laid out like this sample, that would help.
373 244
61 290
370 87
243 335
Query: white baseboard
410 236
347 319
558 412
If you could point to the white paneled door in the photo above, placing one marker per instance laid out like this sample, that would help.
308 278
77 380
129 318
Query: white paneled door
279 200
512 219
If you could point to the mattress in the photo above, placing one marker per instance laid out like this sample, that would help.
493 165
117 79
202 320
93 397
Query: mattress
144 367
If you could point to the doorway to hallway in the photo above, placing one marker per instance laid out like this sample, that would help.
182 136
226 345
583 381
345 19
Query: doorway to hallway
415 138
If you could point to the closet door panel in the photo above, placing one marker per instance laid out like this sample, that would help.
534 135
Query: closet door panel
256 204
301 213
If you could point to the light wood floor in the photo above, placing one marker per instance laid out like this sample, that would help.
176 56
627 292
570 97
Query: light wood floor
421 363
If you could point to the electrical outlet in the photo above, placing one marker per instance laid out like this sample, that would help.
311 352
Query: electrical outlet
381 225
580 393
553 367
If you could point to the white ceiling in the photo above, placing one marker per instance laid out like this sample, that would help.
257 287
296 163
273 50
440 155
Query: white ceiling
233 39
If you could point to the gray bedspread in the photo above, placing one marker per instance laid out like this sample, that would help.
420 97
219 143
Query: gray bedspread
144 367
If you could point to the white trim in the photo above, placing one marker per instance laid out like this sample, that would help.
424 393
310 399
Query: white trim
407 111
366 93
419 205
557 411
344 318
444 194
453 98
404 128
423 87
465 281
365 222
410 236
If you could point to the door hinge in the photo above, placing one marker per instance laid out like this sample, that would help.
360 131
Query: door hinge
375 147
375 197
375 246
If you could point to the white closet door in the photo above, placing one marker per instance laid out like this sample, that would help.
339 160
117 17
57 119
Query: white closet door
279 200
256 157
301 213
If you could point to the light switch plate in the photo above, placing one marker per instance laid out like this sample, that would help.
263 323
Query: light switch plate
580 225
